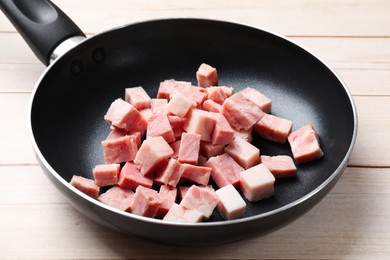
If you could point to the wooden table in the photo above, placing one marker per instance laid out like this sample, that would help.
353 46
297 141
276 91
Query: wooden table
353 221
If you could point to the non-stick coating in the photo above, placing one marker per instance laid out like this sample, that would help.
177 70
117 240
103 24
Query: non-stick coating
72 98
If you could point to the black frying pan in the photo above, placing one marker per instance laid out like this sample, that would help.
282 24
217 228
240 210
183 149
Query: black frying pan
70 99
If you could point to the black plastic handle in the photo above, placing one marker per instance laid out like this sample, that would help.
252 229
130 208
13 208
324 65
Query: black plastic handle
41 23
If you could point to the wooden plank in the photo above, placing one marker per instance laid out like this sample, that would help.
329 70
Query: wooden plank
321 18
349 223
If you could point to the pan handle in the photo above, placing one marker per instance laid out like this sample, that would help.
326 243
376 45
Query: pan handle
42 25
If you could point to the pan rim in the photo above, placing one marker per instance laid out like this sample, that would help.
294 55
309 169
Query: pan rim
290 205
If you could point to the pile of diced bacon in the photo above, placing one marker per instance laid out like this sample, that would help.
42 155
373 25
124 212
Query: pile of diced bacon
163 154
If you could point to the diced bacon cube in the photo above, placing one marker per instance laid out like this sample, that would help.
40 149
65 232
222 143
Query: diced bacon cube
124 116
202 160
146 113
177 125
210 150
273 128
170 174
130 177
178 213
159 125
118 197
117 133
180 104
196 174
181 191
85 185
257 183
175 147
211 106
244 134
245 153
169 86
196 94
255 96
231 205
202 200
151 154
200 122
119 150
240 112
159 105
227 90
106 174
281 166
168 196
222 133
145 202
189 148
137 97
216 94
305 144
207 76
225 170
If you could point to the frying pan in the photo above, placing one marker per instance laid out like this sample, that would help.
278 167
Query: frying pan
71 97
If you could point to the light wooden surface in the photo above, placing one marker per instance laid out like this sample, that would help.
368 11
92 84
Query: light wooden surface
352 222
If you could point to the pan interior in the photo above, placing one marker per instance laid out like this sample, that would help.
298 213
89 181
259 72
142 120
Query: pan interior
72 98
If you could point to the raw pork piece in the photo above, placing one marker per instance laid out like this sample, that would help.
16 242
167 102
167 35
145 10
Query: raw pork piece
305 144
258 99
273 128
169 86
216 94
200 122
202 160
118 197
137 97
257 183
177 125
207 76
117 133
227 90
178 213
231 205
281 166
198 95
145 202
159 125
225 170
240 112
151 154
175 147
168 196
180 104
245 153
170 174
222 133
124 116
189 148
119 150
146 113
210 150
182 190
196 174
159 105
211 106
244 134
106 174
85 185
130 177
200 199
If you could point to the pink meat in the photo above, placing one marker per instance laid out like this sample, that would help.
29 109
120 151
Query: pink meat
202 160
273 128
85 185
118 197
227 90
305 144
119 150
210 150
106 174
175 147
257 183
151 154
146 113
170 174
240 112
231 205
130 177
211 106
159 125
202 200
124 116
189 148
195 174
243 152
180 104
178 213
145 202
225 170
177 125
137 97
216 94
222 133
200 122
168 86
196 94
159 105
117 133
255 96
207 76
168 196
244 134
281 166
